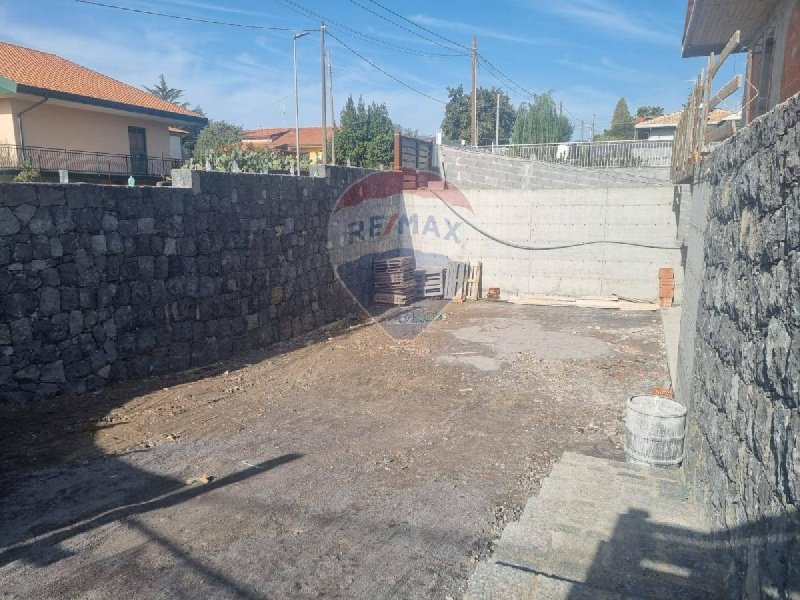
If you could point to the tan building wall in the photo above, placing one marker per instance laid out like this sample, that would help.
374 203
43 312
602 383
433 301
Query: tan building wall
7 129
58 126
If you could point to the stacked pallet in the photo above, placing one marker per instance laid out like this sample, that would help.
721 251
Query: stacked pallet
463 281
430 282
393 280
666 286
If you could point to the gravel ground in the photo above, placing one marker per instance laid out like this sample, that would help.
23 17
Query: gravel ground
348 464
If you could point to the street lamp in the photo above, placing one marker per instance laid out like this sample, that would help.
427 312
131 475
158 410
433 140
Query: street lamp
295 37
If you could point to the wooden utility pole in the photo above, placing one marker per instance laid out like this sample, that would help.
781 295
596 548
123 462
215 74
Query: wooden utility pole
582 126
474 127
333 112
324 94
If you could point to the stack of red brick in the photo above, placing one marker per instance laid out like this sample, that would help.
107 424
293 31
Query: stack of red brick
666 286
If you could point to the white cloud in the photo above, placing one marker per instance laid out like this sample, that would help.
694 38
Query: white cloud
479 31
610 18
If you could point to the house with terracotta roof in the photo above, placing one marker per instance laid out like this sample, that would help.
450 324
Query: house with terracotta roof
663 128
57 115
282 139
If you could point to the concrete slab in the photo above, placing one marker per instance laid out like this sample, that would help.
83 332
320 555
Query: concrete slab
616 534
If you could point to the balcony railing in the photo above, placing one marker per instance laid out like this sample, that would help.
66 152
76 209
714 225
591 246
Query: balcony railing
86 163
627 153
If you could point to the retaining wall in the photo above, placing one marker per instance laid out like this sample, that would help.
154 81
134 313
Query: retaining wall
108 283
739 362
565 217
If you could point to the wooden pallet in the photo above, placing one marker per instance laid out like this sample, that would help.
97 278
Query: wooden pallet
393 280
429 282
463 281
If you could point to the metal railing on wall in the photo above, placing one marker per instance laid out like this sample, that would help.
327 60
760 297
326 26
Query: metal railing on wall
88 163
611 154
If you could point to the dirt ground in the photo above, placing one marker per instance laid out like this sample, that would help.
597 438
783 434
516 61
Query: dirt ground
348 464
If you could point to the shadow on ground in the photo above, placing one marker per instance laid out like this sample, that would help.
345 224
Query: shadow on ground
653 560
103 491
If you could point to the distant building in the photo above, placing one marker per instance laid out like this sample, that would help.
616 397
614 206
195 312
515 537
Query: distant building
770 34
663 128
282 139
56 114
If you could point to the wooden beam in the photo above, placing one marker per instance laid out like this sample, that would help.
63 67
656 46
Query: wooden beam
730 87
732 44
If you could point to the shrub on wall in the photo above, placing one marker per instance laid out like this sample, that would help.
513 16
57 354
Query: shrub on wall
28 173
247 159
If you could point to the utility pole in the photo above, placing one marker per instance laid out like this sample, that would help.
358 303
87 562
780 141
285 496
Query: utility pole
594 118
324 94
333 112
560 108
497 123
296 37
474 128
582 126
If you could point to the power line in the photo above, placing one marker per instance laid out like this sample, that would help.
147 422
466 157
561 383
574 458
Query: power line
389 75
519 246
308 13
185 18
403 27
389 10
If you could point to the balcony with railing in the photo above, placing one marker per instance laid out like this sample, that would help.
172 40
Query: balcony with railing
612 154
14 158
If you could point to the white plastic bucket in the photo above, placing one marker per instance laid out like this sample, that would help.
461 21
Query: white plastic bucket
655 429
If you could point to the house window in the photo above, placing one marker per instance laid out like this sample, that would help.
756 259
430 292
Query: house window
137 140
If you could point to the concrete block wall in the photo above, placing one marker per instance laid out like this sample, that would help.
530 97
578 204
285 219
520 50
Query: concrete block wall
569 216
739 363
108 283
480 170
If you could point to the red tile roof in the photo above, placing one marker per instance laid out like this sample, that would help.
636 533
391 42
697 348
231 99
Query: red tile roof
275 137
36 72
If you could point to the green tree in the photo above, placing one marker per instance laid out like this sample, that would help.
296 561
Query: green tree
365 135
622 127
162 90
540 122
649 112
217 137
457 116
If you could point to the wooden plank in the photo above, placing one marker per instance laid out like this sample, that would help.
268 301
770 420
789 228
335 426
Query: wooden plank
732 44
729 88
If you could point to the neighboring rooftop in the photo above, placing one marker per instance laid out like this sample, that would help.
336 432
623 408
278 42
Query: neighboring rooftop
28 71
672 119
278 137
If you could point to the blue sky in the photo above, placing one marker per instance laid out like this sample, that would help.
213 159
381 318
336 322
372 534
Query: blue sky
588 52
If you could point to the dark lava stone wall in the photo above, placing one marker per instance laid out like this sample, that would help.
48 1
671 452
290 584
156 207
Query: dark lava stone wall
743 389
108 283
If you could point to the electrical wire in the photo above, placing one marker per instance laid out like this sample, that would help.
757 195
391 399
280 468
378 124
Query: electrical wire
411 31
389 75
389 10
308 13
518 246
185 18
